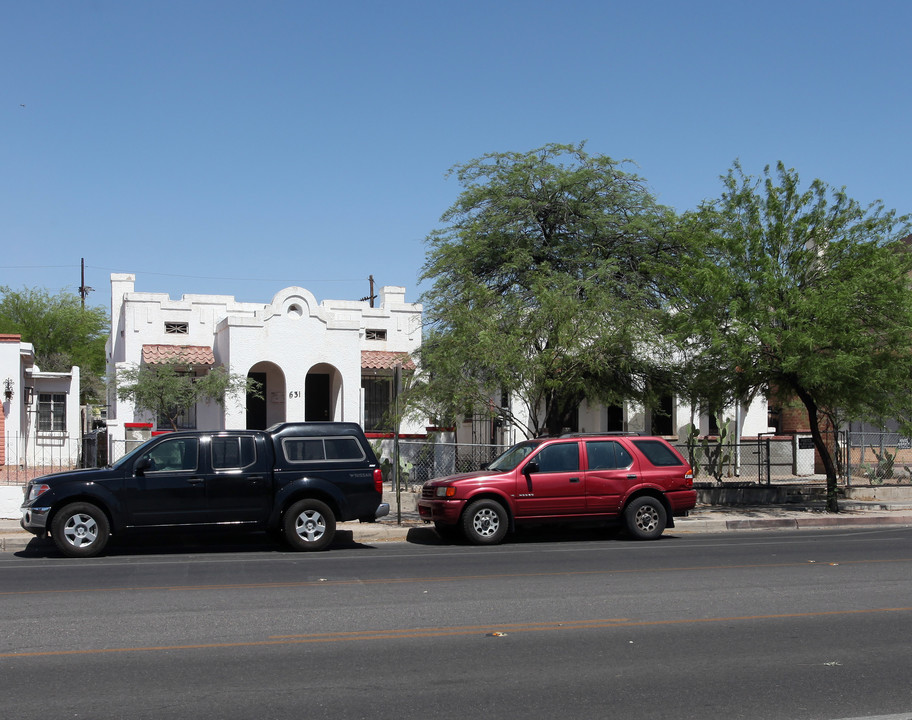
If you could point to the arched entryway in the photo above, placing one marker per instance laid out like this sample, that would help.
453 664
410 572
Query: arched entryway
270 408
323 393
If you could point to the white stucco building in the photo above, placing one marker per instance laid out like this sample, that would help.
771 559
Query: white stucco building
333 360
40 423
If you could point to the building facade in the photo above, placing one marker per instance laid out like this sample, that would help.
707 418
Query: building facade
334 360
40 423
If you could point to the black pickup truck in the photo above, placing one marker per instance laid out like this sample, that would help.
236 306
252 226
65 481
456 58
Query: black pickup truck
293 478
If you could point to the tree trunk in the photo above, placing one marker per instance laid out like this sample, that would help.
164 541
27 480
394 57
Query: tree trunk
832 500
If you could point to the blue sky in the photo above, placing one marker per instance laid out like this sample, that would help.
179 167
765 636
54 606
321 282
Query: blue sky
242 147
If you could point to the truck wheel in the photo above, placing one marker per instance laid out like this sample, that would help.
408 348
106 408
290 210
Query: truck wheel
80 530
645 518
484 522
309 525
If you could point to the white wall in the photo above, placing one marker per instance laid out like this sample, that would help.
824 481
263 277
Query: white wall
288 337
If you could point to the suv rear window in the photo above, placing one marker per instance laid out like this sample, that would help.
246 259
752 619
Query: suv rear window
318 449
658 453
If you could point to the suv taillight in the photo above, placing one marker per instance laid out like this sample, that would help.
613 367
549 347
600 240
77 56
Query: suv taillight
378 480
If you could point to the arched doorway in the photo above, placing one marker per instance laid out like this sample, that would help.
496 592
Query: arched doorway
322 393
270 408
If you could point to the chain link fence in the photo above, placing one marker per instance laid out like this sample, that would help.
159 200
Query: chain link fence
765 460
878 458
423 460
862 458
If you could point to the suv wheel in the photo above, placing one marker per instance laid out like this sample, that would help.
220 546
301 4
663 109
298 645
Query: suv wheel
645 518
484 522
80 530
309 525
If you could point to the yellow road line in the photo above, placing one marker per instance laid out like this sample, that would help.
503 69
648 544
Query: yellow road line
468 630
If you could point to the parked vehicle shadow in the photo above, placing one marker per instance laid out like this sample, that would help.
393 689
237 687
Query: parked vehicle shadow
183 542
530 535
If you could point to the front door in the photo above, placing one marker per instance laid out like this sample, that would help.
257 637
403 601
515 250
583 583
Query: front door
316 397
256 406
557 486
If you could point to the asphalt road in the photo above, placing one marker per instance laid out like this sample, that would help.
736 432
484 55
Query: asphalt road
778 625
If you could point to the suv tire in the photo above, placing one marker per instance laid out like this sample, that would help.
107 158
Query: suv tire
80 530
309 525
484 522
645 518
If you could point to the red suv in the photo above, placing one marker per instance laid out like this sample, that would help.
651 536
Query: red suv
641 479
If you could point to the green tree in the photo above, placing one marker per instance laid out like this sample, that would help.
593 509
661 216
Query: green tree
539 286
62 331
168 389
802 292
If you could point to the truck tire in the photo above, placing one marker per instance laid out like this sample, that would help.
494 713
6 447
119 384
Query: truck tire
80 530
309 525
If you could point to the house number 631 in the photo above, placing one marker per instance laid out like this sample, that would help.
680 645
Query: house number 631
294 394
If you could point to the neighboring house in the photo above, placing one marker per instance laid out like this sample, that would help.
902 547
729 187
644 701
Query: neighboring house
671 419
334 360
40 423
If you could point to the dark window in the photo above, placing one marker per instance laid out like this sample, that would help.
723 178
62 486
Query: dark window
51 412
177 328
378 395
300 450
172 455
184 420
375 334
663 416
615 418
342 448
233 452
657 452
607 455
562 457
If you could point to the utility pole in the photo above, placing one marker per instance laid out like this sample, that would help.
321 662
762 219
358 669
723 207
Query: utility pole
370 297
83 289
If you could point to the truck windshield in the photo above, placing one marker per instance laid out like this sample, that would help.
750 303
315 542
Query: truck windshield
512 457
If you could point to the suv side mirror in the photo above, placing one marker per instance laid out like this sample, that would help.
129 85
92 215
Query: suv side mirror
531 467
143 464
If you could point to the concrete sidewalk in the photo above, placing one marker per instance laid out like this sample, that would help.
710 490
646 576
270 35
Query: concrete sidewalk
703 519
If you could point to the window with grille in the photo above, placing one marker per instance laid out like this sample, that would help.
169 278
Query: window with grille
378 395
375 334
177 328
51 412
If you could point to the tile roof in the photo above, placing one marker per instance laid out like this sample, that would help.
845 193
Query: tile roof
385 360
189 354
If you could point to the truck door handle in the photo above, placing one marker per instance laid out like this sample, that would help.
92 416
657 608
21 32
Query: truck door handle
574 480
631 477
